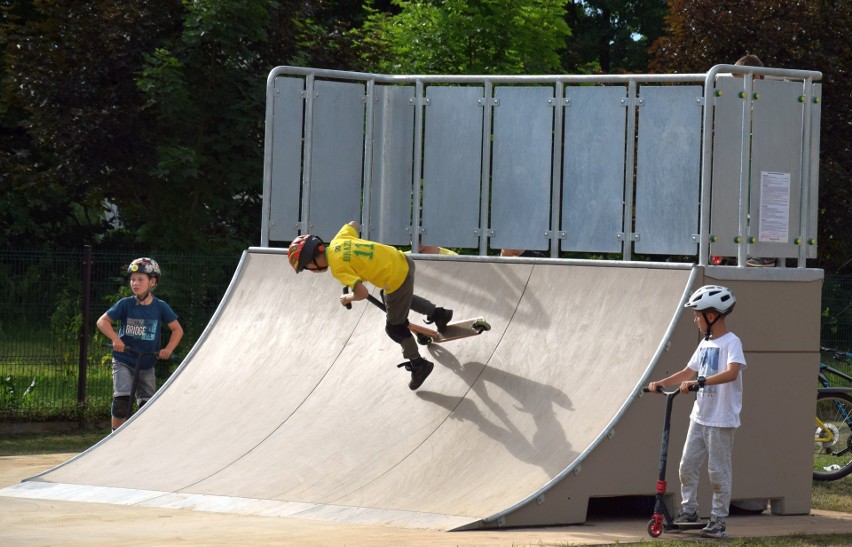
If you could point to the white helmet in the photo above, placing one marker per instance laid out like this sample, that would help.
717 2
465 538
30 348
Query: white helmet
712 297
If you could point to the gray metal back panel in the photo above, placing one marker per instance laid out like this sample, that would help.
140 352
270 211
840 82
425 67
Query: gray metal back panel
284 192
393 156
668 170
593 169
727 155
452 163
521 163
775 200
337 156
813 209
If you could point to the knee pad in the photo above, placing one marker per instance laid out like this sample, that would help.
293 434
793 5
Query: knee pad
120 406
398 333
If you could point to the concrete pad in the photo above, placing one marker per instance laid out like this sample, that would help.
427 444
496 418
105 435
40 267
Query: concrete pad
44 522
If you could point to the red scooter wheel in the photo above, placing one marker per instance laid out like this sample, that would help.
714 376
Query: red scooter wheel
655 527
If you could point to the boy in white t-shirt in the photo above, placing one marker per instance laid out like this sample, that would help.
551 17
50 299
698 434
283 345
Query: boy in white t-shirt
715 415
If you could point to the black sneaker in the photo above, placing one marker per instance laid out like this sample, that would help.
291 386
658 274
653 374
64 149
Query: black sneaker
686 518
440 317
714 529
420 369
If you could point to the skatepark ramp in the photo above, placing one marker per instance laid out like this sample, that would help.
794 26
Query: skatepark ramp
290 405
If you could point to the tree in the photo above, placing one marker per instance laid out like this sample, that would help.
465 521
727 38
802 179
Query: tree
205 100
69 125
466 37
806 34
612 35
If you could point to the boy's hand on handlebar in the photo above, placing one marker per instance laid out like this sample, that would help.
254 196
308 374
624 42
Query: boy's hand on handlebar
164 354
654 387
118 345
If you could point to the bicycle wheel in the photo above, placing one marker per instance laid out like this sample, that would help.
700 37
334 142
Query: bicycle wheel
833 435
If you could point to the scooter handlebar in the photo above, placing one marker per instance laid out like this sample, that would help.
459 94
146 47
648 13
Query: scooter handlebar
692 387
346 291
132 351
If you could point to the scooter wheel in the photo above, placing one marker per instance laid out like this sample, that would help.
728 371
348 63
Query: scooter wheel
423 340
655 528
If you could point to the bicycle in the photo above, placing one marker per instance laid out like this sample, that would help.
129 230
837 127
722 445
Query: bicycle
833 436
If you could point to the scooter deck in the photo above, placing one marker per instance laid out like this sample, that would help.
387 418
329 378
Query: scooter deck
675 528
454 331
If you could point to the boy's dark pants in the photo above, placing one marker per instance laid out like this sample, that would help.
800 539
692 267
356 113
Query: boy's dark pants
398 304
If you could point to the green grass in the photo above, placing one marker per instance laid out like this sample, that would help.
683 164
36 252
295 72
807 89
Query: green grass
46 392
50 443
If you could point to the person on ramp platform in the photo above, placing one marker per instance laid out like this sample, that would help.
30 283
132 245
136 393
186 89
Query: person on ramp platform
353 261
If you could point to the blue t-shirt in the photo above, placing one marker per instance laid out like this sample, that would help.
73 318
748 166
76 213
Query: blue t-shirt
141 328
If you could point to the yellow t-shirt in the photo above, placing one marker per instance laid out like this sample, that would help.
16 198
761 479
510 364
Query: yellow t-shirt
441 251
351 259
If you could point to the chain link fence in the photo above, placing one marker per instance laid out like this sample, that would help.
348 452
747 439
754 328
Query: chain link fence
46 370
42 325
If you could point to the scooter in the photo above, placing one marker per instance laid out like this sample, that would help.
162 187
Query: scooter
662 521
135 384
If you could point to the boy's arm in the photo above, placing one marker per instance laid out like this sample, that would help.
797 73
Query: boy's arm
728 375
105 326
174 340
359 292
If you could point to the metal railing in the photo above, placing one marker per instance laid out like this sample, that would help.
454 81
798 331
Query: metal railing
688 165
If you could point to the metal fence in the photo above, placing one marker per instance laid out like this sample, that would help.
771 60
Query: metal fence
52 363
836 329
41 321
553 163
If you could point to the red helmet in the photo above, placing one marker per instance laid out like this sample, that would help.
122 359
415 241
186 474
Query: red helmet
303 250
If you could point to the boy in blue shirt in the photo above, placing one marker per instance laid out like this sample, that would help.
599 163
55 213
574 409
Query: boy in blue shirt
141 319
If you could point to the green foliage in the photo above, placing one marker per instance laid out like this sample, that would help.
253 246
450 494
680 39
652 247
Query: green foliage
204 97
67 318
463 37
801 34
12 396
71 114
612 35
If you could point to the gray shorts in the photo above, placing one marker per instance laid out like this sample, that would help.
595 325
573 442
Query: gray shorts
122 381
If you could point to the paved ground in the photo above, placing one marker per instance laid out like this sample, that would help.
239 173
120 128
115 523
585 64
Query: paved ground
37 522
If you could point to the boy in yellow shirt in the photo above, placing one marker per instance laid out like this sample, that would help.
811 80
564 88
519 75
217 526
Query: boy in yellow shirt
353 261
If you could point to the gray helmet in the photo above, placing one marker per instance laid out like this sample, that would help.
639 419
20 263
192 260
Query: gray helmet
712 297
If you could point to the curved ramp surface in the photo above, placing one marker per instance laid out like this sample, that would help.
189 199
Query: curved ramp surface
292 405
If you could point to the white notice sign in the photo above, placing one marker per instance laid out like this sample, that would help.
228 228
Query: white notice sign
774 207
